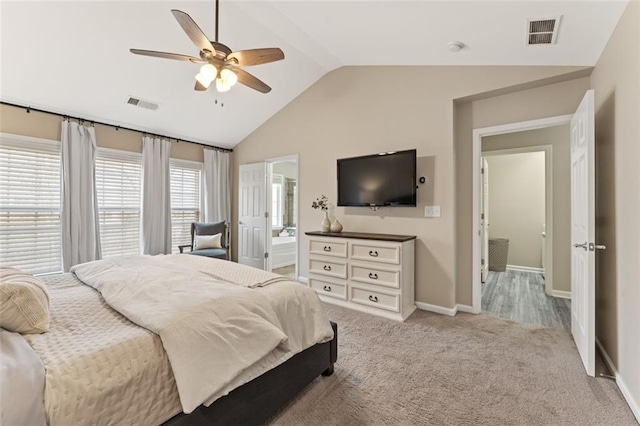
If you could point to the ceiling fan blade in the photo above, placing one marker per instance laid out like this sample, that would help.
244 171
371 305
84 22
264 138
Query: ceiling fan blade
251 81
199 87
193 31
245 58
165 55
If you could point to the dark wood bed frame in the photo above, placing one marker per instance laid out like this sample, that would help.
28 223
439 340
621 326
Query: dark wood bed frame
254 403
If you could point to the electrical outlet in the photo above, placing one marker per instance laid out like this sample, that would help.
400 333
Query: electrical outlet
431 211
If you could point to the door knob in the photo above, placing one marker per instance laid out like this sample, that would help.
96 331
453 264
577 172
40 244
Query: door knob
240 222
584 246
601 247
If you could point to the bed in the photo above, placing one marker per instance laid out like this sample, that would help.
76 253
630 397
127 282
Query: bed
102 368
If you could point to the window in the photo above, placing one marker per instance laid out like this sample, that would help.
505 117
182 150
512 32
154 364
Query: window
30 226
118 176
185 200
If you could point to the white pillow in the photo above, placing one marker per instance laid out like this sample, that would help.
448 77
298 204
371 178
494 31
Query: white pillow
207 241
24 302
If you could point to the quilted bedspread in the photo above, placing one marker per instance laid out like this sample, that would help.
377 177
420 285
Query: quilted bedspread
103 369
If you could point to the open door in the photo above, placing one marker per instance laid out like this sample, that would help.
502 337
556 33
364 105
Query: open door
583 231
484 220
252 216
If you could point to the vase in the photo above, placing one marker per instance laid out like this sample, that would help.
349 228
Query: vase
325 225
336 226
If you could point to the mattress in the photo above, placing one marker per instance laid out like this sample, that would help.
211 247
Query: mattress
100 368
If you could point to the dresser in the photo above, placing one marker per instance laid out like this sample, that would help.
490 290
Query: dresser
372 273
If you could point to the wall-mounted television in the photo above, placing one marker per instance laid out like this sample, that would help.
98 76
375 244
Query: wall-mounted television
385 179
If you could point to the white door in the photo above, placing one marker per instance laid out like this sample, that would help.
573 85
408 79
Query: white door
583 231
252 220
484 220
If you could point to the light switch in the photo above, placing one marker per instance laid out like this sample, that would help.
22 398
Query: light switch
432 211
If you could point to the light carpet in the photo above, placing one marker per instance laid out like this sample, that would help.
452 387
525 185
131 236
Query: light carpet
462 370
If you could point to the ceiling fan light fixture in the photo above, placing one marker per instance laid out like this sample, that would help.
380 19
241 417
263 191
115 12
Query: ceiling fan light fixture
202 79
228 77
209 72
221 86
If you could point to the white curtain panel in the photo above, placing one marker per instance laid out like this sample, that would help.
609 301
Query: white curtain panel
217 186
80 228
155 222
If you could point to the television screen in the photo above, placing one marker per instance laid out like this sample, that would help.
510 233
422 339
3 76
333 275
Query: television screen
386 179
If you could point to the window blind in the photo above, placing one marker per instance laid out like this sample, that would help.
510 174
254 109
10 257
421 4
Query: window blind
118 187
30 228
186 178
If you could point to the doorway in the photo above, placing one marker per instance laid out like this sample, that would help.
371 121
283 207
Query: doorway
268 215
282 240
582 245
517 228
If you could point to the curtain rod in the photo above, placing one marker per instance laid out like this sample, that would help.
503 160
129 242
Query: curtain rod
29 109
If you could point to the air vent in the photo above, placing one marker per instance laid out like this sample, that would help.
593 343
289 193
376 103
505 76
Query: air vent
142 103
542 31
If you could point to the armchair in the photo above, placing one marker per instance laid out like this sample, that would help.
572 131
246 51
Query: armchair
198 229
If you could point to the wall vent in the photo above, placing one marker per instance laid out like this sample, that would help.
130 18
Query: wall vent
543 31
142 103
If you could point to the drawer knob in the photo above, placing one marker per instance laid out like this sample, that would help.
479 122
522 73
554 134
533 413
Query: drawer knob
327 248
327 268
373 276
327 288
373 298
373 253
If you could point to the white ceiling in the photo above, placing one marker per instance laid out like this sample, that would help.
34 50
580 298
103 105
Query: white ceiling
73 56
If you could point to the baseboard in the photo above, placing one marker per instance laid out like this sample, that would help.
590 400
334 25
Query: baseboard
437 309
303 280
465 308
635 407
561 294
525 269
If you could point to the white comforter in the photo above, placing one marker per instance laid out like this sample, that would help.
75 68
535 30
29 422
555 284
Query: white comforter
21 382
212 330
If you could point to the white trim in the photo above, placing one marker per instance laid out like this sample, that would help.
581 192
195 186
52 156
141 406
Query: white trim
633 404
268 245
478 134
183 164
525 269
464 308
437 309
303 280
561 294
121 153
25 138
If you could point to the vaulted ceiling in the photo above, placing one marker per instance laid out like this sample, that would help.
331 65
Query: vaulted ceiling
73 57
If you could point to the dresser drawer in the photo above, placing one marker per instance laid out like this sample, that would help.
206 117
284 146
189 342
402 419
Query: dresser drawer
329 268
326 248
388 301
374 253
376 276
329 289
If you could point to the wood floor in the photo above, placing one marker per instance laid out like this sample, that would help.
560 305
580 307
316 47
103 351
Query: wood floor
287 271
519 296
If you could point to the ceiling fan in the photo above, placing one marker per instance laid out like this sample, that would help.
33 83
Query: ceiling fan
221 63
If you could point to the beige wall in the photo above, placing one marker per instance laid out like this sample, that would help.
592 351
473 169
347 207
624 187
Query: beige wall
617 93
47 126
517 205
541 102
558 138
355 111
